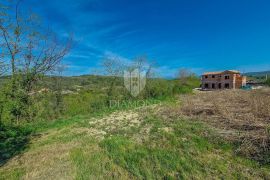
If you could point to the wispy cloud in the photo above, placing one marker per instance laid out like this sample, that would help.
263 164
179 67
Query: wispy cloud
190 34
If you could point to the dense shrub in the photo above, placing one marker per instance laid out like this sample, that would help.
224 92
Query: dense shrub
15 102
84 102
267 82
12 141
157 88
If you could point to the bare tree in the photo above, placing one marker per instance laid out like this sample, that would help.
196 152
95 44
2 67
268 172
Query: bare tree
57 89
145 67
7 27
183 75
143 64
30 50
3 68
114 68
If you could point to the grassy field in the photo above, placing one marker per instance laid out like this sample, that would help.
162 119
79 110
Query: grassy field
135 116
156 142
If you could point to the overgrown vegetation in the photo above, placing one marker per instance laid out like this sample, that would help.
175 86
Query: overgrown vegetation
136 144
56 97
13 140
242 117
267 82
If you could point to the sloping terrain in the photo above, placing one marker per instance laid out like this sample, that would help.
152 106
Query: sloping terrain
144 143
241 117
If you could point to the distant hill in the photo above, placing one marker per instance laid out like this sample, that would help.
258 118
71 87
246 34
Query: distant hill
257 74
72 82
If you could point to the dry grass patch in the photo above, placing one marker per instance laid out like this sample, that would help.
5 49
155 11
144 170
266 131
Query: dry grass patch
48 162
116 121
46 158
242 117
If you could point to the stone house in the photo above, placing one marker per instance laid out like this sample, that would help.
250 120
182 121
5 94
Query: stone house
229 79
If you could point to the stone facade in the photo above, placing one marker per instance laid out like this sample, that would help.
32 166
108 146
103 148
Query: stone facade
223 80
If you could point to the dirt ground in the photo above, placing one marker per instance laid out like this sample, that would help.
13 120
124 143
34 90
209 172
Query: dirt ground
242 117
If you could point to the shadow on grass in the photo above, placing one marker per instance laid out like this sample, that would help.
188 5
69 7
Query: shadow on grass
13 140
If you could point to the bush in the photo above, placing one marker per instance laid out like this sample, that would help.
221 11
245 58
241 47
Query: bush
85 102
15 102
157 88
186 87
267 82
12 141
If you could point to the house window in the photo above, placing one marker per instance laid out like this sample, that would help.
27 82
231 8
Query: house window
206 86
227 77
213 86
205 77
227 85
219 85
213 76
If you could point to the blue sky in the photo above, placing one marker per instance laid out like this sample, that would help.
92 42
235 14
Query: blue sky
202 35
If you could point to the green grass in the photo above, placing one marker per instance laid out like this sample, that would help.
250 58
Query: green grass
183 153
142 161
92 162
172 149
14 174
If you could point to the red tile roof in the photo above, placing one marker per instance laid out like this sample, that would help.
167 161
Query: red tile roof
221 72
